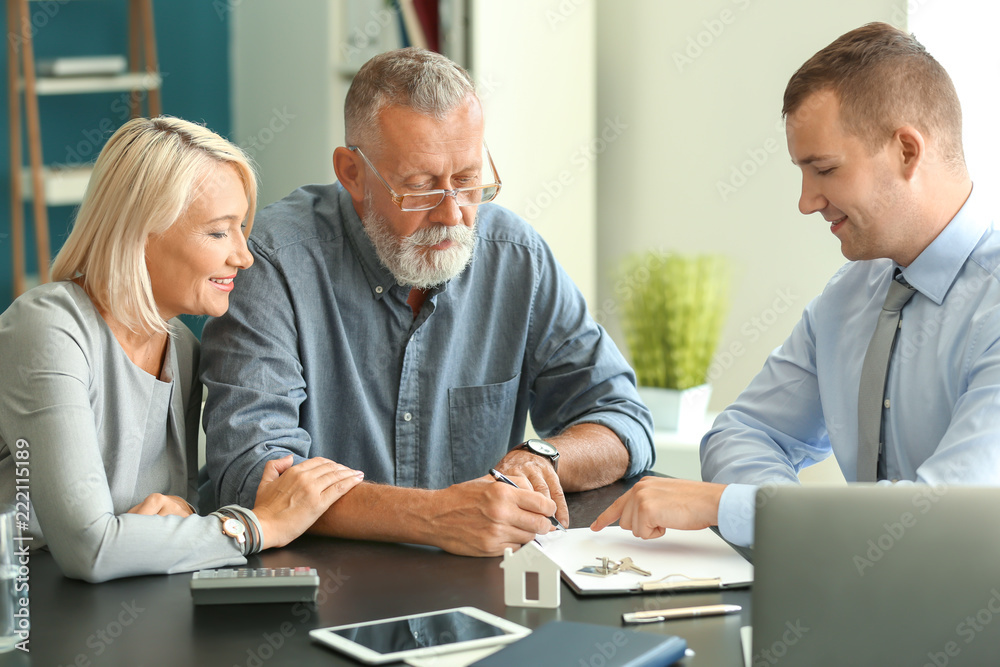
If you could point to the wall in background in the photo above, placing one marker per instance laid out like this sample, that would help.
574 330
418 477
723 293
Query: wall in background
539 91
701 164
961 35
192 39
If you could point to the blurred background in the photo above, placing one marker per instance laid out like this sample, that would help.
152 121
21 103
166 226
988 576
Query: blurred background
616 126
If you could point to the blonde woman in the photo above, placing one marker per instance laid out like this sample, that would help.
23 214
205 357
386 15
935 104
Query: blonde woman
99 398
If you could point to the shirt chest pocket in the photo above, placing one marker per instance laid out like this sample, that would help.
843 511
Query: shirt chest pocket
480 421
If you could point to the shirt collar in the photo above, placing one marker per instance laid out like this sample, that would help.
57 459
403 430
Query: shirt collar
934 270
379 278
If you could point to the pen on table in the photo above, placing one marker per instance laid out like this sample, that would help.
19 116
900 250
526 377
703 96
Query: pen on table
656 615
500 477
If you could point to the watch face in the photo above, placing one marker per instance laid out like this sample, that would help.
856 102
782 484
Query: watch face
233 528
542 447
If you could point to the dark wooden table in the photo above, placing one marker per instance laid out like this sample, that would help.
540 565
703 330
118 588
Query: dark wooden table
151 621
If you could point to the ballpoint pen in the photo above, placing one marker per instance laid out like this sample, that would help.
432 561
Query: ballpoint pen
500 477
657 615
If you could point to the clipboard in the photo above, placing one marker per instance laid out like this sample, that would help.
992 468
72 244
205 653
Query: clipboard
680 561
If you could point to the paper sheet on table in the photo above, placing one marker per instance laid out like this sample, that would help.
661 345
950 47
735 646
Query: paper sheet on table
697 554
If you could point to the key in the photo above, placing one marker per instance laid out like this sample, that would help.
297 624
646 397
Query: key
607 567
628 566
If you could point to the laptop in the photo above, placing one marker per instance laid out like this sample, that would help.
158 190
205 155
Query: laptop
867 575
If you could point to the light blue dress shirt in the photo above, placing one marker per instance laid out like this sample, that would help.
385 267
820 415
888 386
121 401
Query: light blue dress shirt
320 355
943 423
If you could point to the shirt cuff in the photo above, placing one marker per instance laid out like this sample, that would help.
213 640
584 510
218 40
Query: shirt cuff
638 441
737 508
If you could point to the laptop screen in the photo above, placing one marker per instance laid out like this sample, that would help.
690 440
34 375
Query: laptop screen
877 575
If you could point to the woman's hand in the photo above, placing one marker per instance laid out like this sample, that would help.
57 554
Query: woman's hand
157 503
291 498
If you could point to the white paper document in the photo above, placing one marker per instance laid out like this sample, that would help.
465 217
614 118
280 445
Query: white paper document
680 555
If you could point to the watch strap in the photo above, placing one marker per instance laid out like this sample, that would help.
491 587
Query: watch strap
553 459
249 543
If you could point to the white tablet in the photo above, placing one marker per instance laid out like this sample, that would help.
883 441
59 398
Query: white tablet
420 635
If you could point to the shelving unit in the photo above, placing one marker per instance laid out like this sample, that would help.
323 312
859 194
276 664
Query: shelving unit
62 186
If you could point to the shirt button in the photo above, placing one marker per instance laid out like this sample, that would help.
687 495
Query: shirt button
886 404
407 416
378 290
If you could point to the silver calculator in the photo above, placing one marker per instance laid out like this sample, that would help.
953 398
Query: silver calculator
241 585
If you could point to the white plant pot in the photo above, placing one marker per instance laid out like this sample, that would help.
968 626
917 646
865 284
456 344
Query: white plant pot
678 411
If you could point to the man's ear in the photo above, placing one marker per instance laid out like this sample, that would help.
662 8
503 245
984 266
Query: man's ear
908 144
351 173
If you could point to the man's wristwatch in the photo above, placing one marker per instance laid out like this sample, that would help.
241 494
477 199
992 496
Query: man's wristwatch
542 448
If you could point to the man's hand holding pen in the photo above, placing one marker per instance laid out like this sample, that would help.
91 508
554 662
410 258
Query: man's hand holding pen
540 475
500 477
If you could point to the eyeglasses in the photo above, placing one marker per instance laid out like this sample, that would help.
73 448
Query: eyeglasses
424 201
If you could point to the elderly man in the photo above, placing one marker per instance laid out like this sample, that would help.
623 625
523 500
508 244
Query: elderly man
397 323
895 367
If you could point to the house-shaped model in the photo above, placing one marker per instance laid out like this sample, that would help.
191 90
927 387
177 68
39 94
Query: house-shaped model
529 563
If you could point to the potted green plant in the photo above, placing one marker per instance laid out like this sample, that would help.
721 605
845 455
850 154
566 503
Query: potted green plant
672 310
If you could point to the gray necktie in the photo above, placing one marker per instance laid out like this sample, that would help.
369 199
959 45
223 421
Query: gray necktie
871 393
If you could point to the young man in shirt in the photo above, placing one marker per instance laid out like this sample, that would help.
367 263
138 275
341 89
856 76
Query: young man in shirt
875 126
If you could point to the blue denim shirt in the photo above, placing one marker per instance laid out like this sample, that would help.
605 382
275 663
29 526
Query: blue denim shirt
320 355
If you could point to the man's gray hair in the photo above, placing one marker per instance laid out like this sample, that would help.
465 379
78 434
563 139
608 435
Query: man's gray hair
417 79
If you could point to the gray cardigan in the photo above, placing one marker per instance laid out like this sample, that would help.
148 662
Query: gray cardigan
91 435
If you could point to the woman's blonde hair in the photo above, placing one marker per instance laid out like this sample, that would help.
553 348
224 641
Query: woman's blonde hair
143 181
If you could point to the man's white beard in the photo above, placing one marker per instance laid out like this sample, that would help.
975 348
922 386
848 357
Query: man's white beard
410 259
